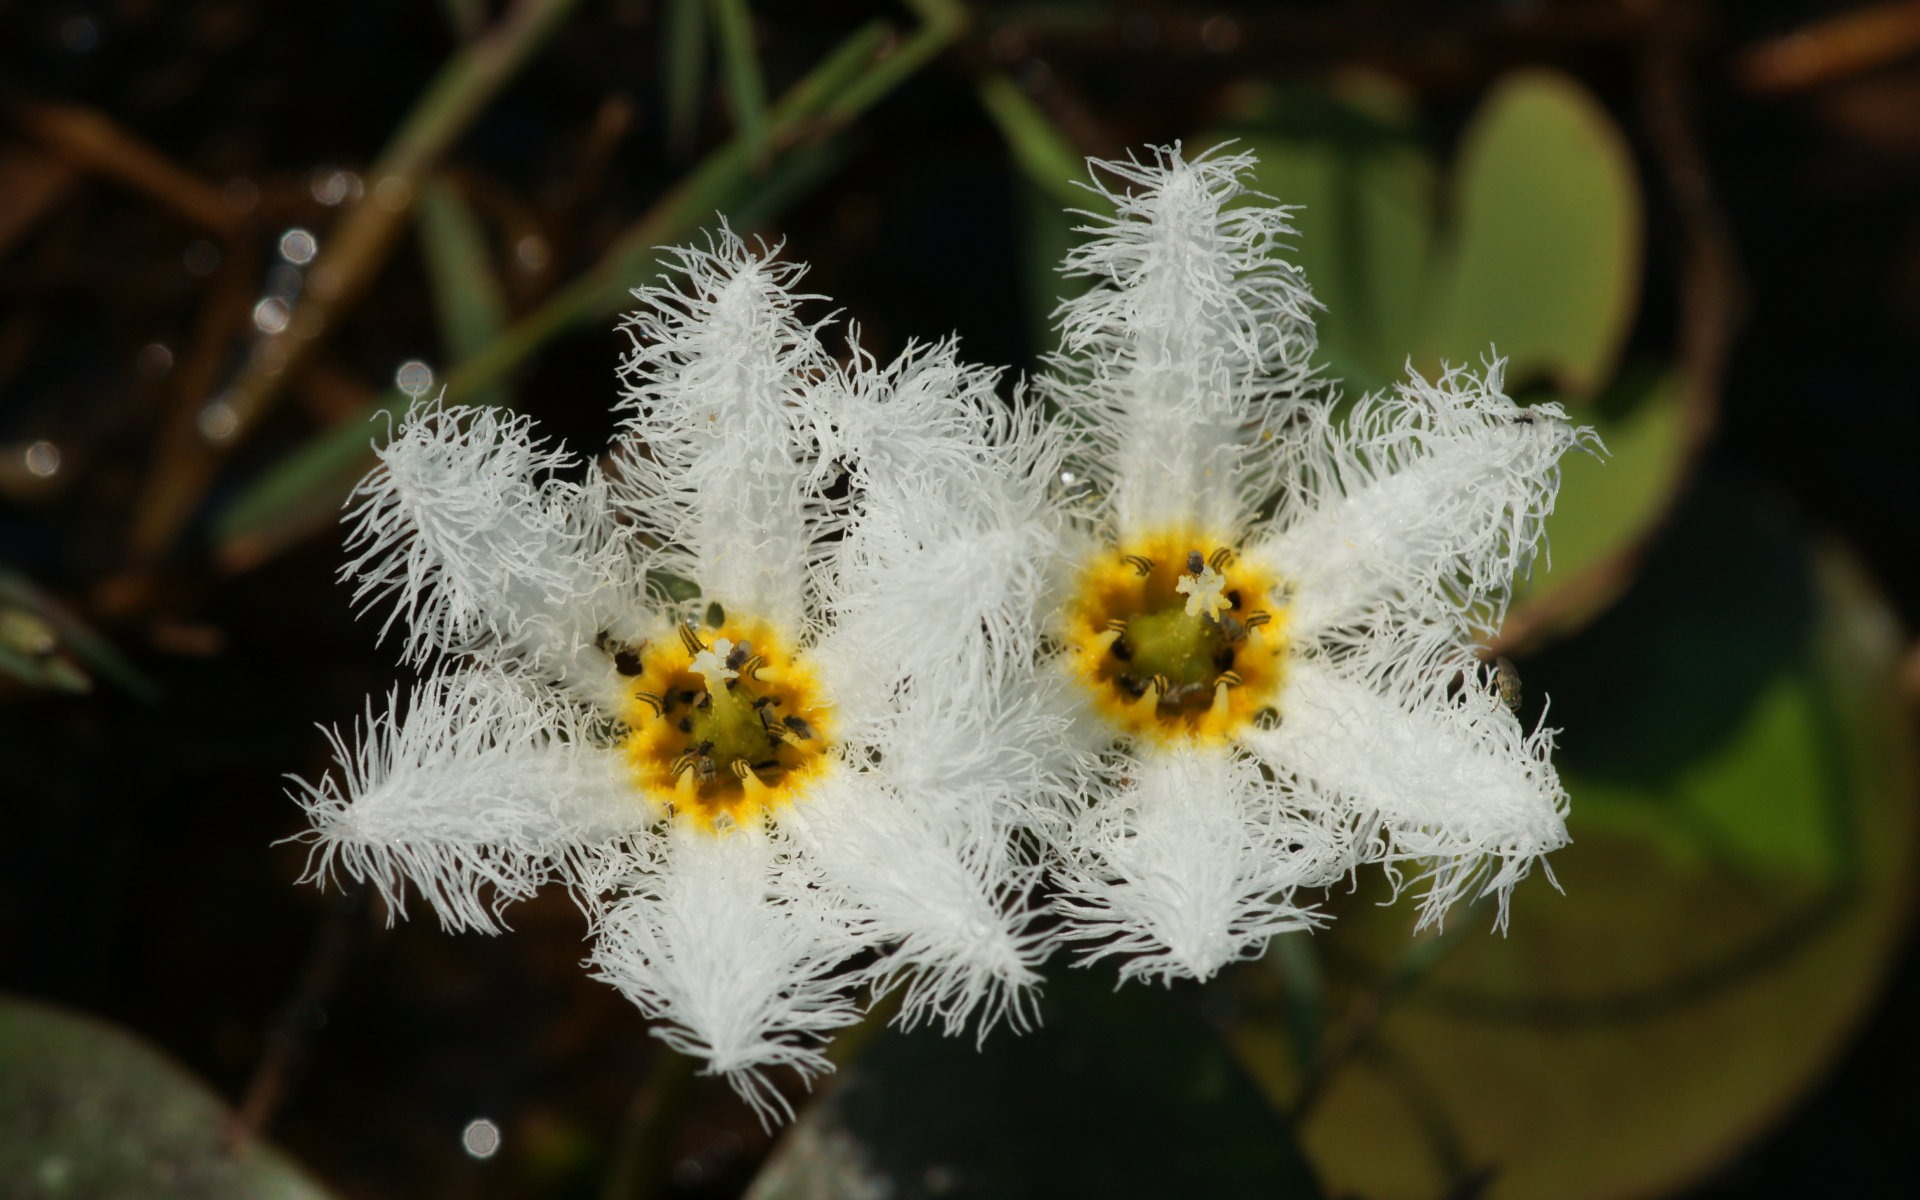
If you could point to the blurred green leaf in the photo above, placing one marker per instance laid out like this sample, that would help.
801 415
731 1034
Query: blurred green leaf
1609 503
1117 1094
90 1110
467 297
1741 871
1044 154
1544 257
44 645
683 53
740 63
1349 157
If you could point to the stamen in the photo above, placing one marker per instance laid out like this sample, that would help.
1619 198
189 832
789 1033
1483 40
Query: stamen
1139 562
653 702
1219 559
691 640
1258 619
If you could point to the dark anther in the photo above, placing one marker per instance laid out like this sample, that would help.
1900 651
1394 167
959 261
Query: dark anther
716 616
686 725
799 726
1121 650
627 661
1223 661
705 747
763 701
1233 598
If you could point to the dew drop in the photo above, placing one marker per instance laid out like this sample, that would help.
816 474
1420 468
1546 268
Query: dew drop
414 378
480 1139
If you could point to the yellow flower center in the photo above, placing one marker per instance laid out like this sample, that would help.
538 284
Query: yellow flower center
726 725
1175 637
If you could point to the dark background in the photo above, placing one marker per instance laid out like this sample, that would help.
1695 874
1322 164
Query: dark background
139 875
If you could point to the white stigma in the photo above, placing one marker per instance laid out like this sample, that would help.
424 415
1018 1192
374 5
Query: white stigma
1205 592
711 664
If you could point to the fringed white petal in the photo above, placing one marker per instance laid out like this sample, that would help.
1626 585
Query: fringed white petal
1194 331
719 455
731 942
482 789
1432 499
1189 865
466 531
950 555
939 891
1422 769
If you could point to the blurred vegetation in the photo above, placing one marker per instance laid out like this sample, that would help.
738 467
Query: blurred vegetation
231 232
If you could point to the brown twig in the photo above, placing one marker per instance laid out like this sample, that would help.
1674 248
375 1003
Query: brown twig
1837 48
91 142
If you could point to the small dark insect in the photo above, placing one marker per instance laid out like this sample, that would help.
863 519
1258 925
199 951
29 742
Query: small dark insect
1506 678
801 729
739 655
1195 564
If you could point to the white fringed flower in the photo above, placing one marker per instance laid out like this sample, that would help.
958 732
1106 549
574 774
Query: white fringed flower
835 749
1275 616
